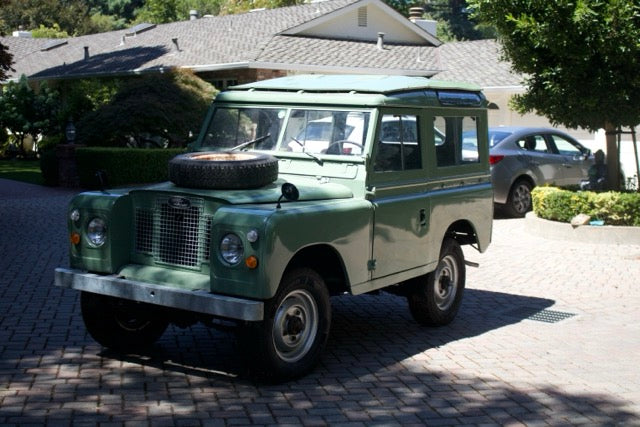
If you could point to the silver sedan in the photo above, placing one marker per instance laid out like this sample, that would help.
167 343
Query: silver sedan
523 157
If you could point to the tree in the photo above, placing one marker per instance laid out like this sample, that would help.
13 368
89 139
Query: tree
71 16
26 112
152 110
580 60
6 59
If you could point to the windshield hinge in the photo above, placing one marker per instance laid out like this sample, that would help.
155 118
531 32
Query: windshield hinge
371 264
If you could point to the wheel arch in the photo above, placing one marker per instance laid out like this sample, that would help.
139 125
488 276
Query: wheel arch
327 262
463 232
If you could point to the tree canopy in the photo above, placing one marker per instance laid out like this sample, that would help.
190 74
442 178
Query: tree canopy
155 109
580 59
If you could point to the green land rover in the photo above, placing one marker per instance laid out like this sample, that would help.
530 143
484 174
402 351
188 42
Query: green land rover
296 189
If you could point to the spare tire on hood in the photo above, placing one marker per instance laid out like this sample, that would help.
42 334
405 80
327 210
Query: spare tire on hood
223 170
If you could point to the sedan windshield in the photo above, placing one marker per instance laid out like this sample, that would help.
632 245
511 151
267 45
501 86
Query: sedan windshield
341 132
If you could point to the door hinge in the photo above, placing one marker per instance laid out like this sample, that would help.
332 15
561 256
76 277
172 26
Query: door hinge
371 264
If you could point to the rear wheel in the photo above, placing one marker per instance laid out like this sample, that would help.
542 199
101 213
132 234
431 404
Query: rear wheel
119 324
435 298
519 200
289 341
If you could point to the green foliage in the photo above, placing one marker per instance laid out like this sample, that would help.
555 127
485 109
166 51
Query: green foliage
24 111
561 205
454 20
71 16
82 96
53 32
6 59
155 110
566 46
122 165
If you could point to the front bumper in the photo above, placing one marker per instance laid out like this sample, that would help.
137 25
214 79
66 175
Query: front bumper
196 301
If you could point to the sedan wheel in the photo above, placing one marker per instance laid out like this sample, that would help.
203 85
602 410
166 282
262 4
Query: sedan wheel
519 202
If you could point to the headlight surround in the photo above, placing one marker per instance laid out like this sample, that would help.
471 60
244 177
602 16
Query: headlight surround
97 231
231 248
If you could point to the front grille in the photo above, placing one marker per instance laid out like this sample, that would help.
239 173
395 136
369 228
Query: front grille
174 235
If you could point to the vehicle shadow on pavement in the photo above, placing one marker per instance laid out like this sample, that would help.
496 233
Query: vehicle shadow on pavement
364 326
378 360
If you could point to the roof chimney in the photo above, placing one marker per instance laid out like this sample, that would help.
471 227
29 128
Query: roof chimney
193 14
86 53
415 16
380 44
415 13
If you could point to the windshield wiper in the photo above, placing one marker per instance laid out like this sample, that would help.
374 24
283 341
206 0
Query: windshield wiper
248 143
313 156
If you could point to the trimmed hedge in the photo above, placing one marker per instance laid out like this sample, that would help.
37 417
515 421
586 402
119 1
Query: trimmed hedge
123 166
562 205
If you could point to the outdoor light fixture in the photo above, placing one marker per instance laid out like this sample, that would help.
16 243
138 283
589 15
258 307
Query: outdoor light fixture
70 132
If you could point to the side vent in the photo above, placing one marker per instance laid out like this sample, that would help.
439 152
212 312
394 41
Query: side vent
362 16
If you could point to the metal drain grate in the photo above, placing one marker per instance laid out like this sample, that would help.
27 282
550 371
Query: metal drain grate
547 316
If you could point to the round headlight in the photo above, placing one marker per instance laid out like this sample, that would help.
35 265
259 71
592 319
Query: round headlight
97 231
231 248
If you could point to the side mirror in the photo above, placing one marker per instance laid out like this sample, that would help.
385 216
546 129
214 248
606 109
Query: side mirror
289 192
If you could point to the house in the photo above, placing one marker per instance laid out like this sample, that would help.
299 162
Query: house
332 36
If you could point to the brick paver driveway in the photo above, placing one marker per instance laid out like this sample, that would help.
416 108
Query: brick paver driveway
548 333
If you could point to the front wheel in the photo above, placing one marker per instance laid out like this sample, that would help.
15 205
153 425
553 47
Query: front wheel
289 341
435 298
119 324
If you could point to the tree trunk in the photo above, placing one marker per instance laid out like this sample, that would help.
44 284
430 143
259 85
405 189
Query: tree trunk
613 157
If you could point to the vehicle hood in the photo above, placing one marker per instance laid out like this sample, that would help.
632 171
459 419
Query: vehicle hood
309 190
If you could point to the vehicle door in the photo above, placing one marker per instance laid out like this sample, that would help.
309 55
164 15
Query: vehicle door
538 156
397 187
575 159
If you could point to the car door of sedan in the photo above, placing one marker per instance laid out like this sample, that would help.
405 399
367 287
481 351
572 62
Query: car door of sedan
538 156
575 159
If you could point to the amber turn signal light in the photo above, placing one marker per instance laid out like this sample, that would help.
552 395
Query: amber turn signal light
75 238
251 262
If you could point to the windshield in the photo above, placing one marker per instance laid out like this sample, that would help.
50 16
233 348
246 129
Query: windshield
340 132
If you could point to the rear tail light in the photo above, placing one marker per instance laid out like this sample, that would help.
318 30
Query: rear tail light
495 159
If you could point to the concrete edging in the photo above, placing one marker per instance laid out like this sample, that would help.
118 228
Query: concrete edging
605 234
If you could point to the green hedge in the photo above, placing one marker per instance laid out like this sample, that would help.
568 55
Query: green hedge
123 166
611 207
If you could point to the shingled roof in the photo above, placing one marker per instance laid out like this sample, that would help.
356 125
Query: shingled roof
269 39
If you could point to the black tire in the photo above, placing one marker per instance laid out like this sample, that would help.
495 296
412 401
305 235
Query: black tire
119 324
288 343
519 201
223 170
435 298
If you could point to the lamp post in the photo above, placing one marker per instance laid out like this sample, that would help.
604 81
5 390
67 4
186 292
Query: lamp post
70 132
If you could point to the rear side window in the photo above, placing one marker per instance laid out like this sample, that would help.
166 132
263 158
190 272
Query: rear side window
398 145
456 140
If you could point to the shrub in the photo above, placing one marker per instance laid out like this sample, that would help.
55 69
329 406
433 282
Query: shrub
561 205
123 166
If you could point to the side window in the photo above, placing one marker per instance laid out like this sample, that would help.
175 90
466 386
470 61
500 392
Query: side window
565 147
398 145
456 140
535 143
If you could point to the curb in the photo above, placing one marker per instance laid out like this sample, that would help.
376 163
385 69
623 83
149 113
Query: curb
605 234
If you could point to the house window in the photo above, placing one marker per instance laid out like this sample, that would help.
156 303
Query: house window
362 16
222 84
